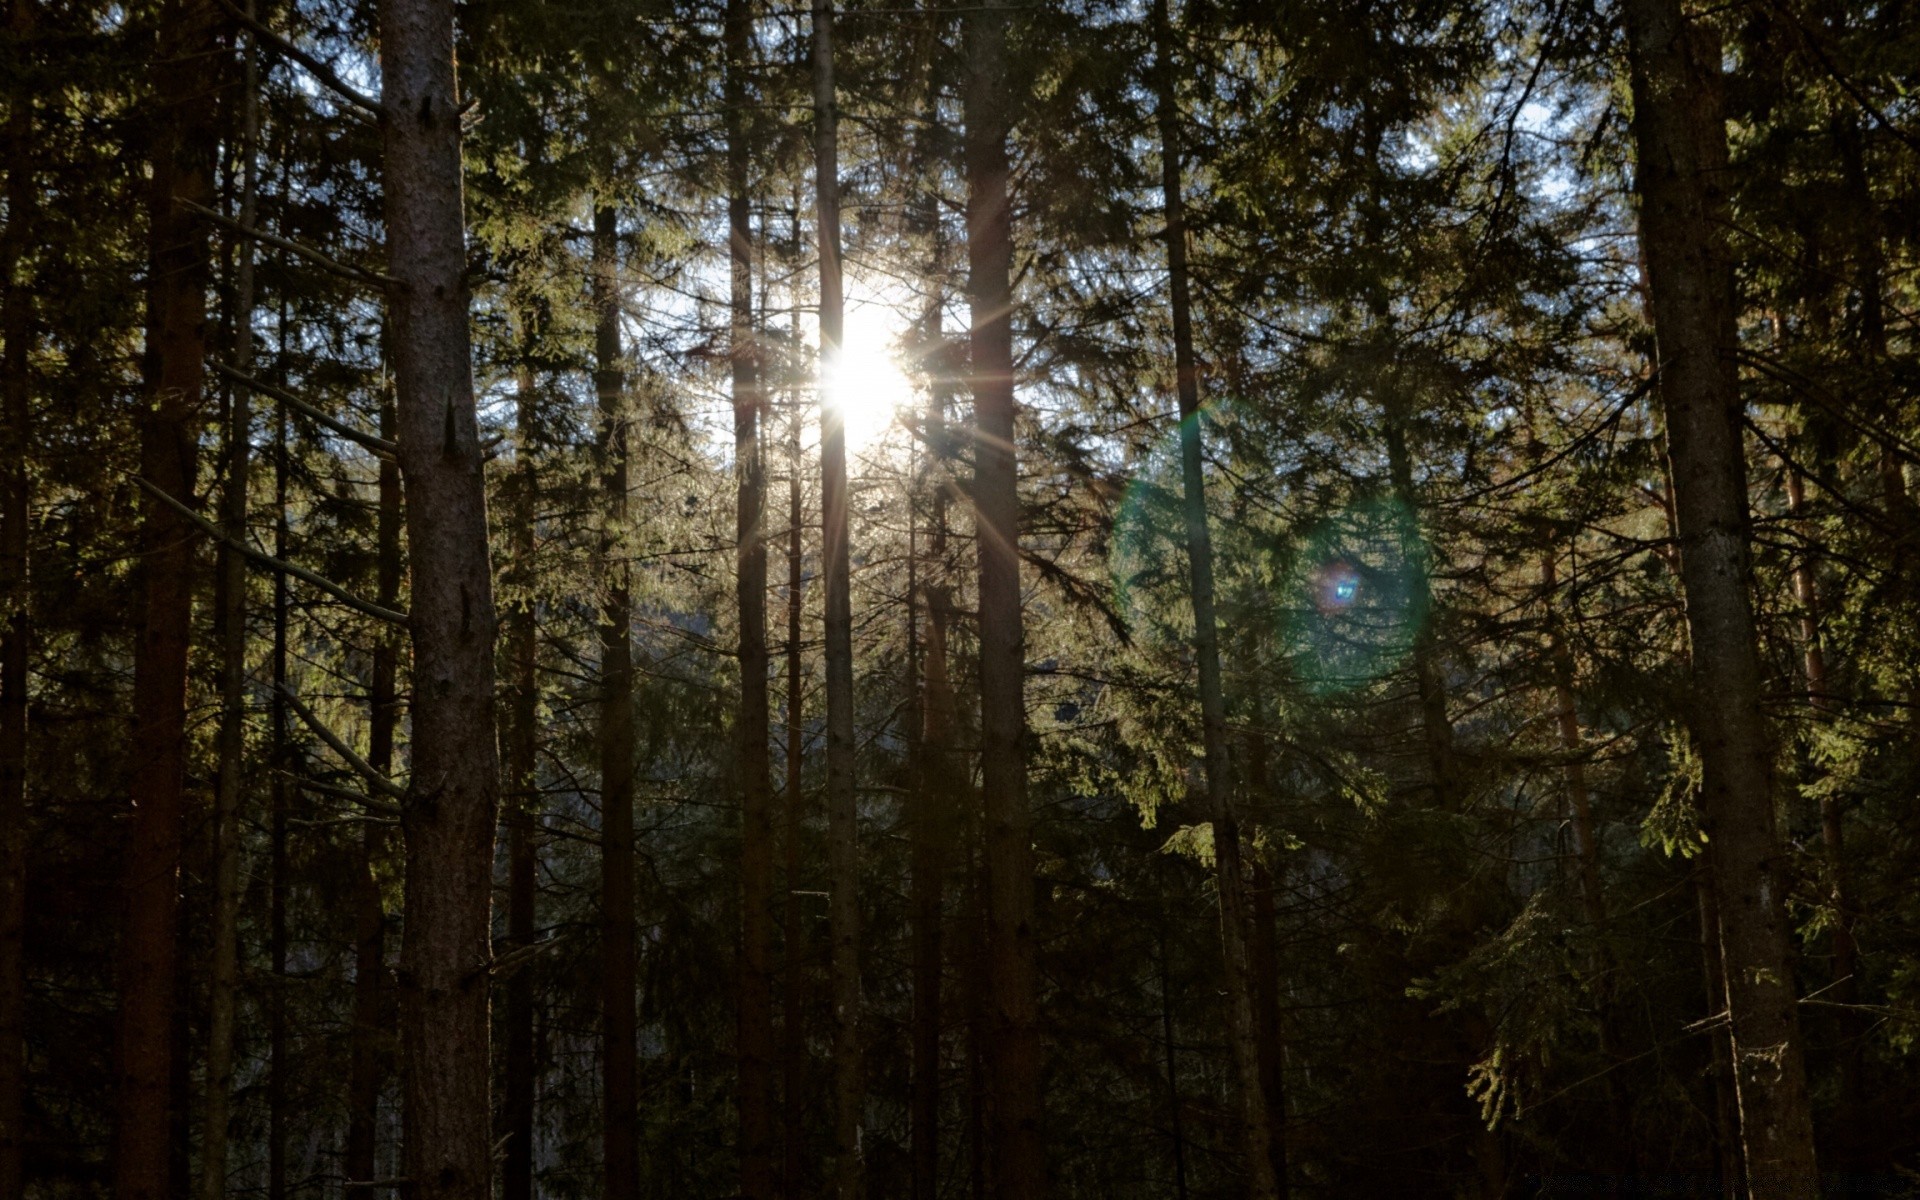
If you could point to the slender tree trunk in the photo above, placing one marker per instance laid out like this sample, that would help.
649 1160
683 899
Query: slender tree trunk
620 1145
1229 868
793 1041
522 794
16 629
224 966
1682 169
174 375
453 805
1013 1052
755 1034
843 838
1174 1122
1726 1119
284 760
933 801
367 1052
1566 711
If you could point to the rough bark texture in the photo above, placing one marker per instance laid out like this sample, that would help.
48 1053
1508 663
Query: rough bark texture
1682 164
16 629
843 839
1013 1048
223 974
368 1050
755 1033
620 1145
174 374
452 807
1229 867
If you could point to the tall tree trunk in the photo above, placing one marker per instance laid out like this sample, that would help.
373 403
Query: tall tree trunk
1566 711
367 1050
522 788
620 1145
932 798
223 983
1726 1119
453 805
16 629
1682 168
1174 1123
755 1033
843 838
1229 868
283 760
174 376
793 941
1013 1052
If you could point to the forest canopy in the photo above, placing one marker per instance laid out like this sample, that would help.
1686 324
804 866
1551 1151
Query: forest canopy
932 598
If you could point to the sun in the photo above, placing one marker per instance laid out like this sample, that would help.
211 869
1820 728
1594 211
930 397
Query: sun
867 385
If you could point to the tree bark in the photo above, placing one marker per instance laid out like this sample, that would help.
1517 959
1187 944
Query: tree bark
224 954
452 807
1229 868
620 1146
1682 152
1013 1050
368 1049
843 844
755 1044
16 627
174 377
793 941
283 760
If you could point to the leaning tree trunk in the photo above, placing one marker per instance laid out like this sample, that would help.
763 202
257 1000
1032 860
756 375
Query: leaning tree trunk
620 1116
453 801
1013 1051
1682 151
1229 869
174 372
16 630
223 982
755 1034
843 838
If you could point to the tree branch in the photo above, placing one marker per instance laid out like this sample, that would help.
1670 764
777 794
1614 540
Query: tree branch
267 560
381 783
379 445
325 262
319 70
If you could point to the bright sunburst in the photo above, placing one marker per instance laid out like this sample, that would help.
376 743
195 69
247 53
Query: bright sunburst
867 385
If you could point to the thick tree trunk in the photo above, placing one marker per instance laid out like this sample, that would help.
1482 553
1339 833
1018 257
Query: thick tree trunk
755 1044
522 795
16 629
1013 1050
453 804
620 1145
1229 868
1682 152
223 982
174 374
843 839
368 1047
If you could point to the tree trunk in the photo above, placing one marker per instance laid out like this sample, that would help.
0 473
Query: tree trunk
174 375
16 631
453 804
933 804
620 1146
1229 869
755 1033
522 790
1174 1123
1726 1121
793 940
843 839
224 955
283 760
1013 1049
367 1052
1682 152
1566 711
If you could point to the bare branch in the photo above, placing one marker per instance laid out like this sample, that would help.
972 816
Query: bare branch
380 782
319 70
379 445
267 560
324 261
